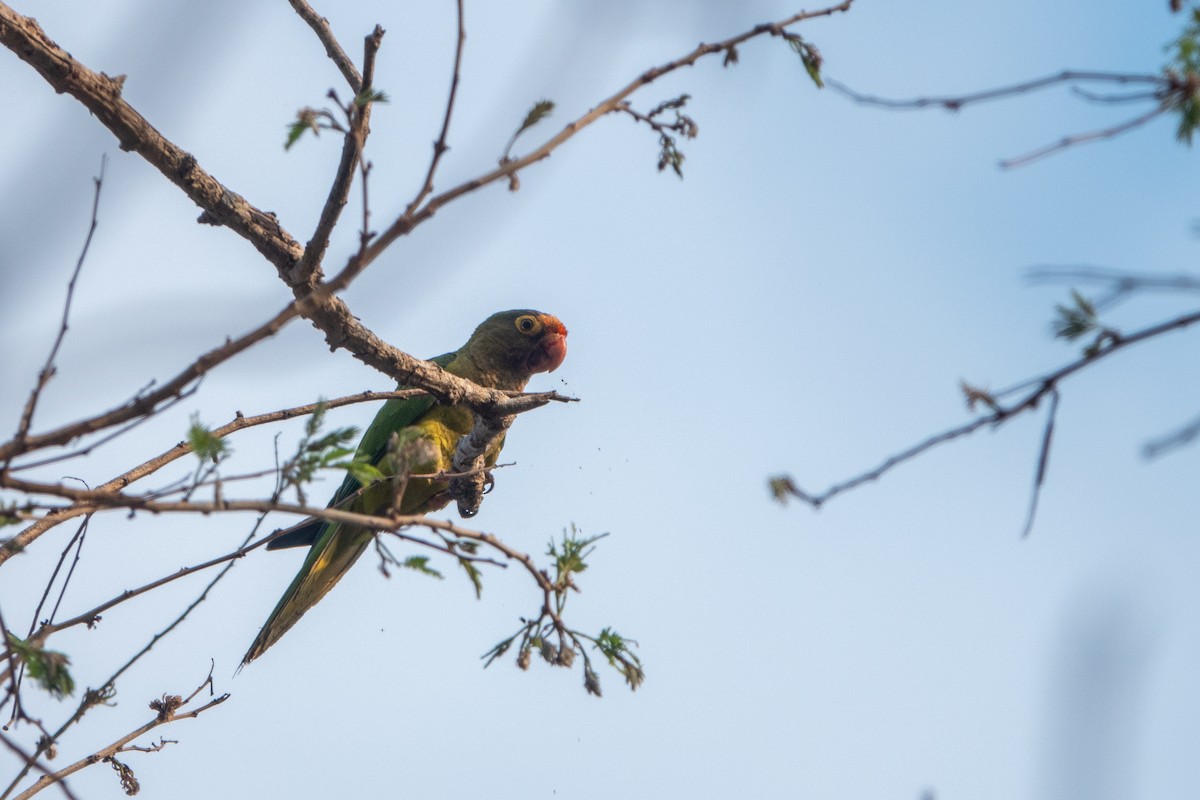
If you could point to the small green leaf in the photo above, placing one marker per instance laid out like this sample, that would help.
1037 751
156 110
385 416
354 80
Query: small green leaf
47 667
541 109
809 56
370 96
206 445
306 120
474 574
570 557
363 471
616 649
421 564
1075 320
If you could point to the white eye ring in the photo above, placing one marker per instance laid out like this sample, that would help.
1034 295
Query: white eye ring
527 324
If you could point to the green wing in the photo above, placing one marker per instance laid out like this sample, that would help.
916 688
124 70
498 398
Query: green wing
335 547
394 415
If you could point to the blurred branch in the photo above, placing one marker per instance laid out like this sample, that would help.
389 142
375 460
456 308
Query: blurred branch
1034 390
1120 284
1170 91
1174 440
1043 461
32 760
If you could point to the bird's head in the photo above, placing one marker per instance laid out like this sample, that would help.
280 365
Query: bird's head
515 345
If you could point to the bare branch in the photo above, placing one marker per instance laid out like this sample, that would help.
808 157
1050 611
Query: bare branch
31 760
1167 89
1043 461
333 49
1080 138
1120 284
439 146
308 269
1048 384
101 95
1174 440
167 713
47 371
146 404
413 217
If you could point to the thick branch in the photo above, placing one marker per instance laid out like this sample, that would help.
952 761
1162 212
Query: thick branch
101 95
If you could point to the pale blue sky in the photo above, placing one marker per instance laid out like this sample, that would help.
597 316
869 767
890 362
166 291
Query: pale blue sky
805 300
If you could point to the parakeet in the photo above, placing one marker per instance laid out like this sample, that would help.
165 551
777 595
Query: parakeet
503 353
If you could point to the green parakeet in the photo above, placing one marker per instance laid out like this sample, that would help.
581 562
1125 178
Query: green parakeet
503 353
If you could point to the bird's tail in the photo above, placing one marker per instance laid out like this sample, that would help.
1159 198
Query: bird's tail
330 558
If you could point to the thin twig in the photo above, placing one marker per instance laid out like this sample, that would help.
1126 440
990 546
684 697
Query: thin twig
1165 89
410 219
48 370
955 102
1080 138
147 404
1043 461
1120 284
76 544
30 759
307 271
164 717
1043 385
1172 441
333 49
439 146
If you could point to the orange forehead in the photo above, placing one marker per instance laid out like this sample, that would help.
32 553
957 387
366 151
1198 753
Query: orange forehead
553 323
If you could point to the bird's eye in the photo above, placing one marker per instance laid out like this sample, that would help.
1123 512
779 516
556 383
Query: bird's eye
528 324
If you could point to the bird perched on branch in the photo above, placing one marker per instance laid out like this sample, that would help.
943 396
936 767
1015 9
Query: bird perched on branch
504 352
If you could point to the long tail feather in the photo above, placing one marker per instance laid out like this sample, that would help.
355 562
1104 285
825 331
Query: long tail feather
327 562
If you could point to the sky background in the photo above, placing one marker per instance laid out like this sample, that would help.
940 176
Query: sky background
806 300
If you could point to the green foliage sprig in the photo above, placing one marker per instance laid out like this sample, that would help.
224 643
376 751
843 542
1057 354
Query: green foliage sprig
1079 319
47 668
1183 74
550 638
